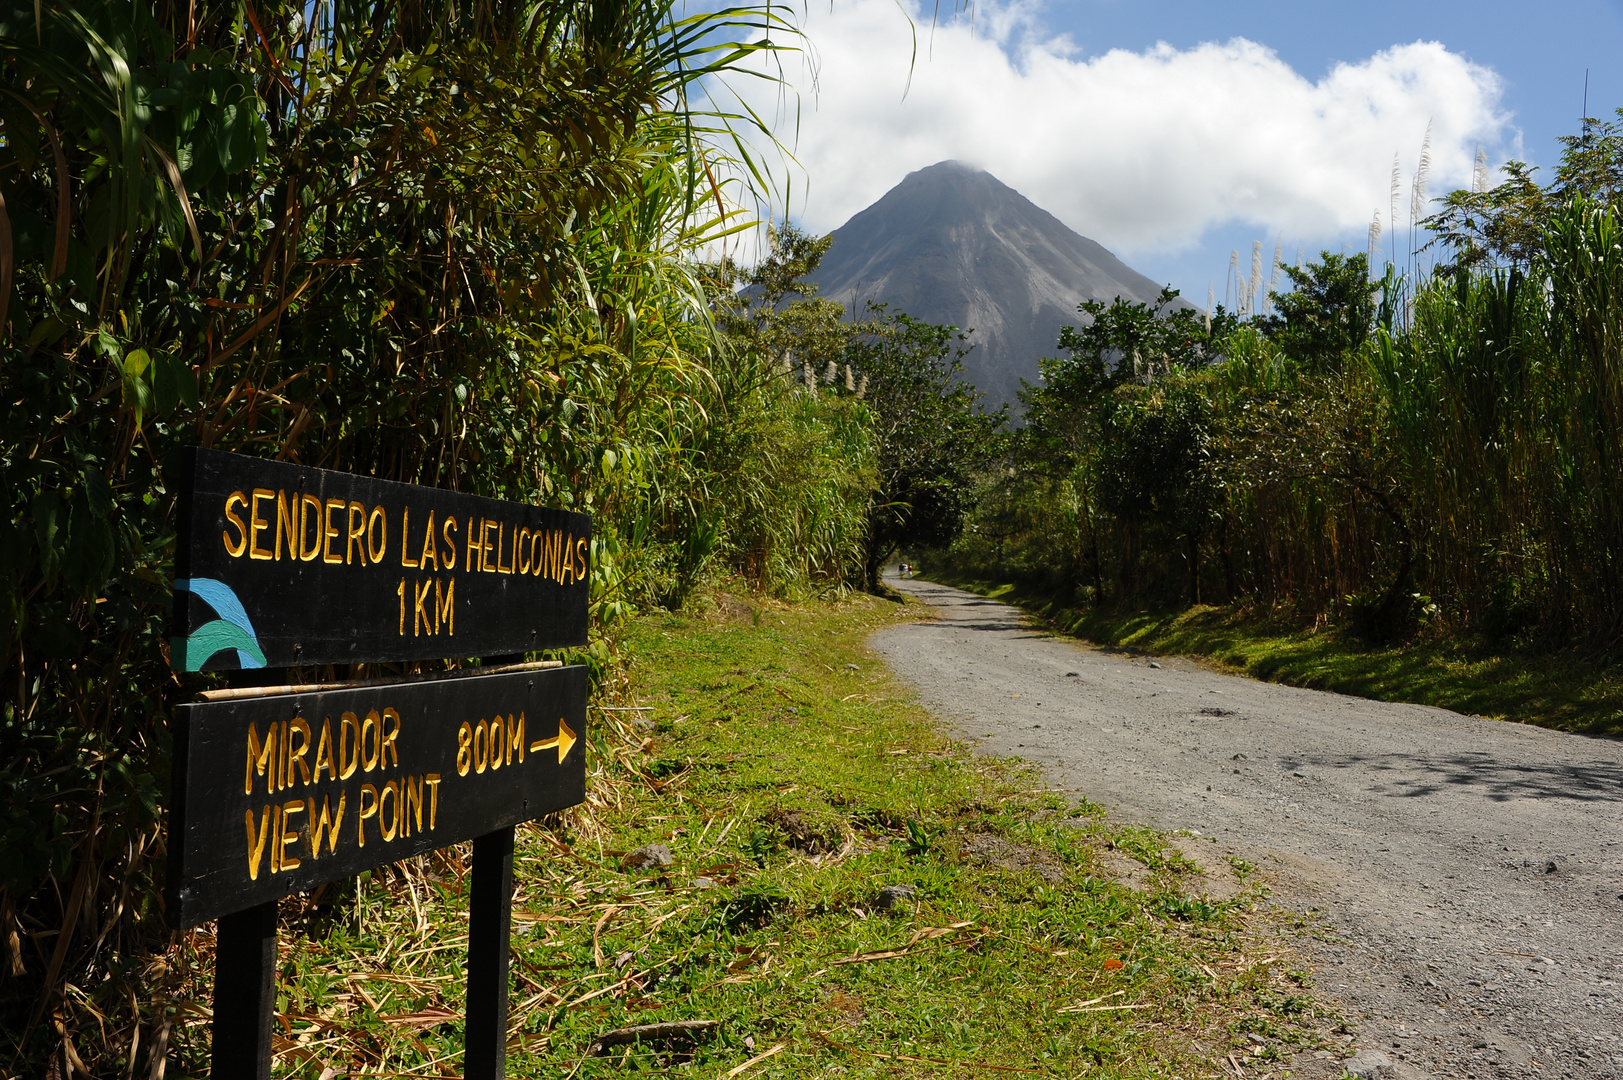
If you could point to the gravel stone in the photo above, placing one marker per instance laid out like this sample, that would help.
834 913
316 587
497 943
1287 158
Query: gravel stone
891 895
648 857
1368 1065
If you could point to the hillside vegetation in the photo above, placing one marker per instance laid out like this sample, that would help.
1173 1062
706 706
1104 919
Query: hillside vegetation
1409 458
437 244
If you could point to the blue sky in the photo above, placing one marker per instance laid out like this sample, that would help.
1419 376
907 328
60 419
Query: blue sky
1176 132
1541 52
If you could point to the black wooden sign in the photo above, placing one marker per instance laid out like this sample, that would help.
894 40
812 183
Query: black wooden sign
276 794
279 565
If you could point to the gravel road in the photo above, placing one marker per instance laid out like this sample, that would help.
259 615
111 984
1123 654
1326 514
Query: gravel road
1471 870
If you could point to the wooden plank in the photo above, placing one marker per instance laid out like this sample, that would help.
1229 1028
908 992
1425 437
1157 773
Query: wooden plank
279 565
275 795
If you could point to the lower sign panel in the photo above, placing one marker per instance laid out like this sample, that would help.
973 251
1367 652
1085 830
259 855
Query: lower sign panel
278 794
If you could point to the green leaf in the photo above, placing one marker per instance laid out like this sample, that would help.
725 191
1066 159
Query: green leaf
225 135
13 547
88 560
172 383
97 491
136 362
49 328
49 519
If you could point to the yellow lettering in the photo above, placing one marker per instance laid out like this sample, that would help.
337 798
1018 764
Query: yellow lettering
464 748
377 526
445 531
421 619
515 738
554 553
521 551
388 826
411 794
296 757
365 812
257 525
326 823
485 547
309 514
324 752
481 747
284 778
355 535
400 591
445 606
498 739
276 839
349 749
430 553
433 798
536 539
290 833
287 524
261 759
583 555
235 550
405 537
256 839
387 747
501 527
372 724
330 532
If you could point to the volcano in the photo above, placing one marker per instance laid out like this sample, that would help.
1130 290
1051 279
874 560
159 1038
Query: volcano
953 244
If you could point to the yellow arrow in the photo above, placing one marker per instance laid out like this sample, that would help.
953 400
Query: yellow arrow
565 741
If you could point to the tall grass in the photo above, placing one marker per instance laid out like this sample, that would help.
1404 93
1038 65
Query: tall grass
430 242
1457 468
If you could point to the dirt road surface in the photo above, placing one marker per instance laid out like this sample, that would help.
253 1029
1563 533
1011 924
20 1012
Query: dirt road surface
1471 870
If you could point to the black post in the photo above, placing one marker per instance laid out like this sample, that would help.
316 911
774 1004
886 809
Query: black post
244 993
490 909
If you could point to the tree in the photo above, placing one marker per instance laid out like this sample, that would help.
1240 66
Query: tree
1155 465
1506 224
929 430
1094 407
1329 313
789 451
1128 340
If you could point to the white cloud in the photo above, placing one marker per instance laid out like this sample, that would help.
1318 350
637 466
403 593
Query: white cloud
1141 151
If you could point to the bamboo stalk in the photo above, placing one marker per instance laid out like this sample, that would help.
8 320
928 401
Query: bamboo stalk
235 693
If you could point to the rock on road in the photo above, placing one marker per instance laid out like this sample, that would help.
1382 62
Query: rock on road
1471 869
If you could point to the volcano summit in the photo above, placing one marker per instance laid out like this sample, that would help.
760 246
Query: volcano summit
953 244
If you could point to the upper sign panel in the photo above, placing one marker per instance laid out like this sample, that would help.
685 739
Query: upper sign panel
278 565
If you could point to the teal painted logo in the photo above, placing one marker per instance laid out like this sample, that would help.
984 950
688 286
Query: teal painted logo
232 630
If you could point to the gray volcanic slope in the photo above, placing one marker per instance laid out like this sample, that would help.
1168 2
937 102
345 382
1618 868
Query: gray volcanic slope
953 244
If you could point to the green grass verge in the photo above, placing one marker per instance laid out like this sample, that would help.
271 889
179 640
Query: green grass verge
792 779
1560 690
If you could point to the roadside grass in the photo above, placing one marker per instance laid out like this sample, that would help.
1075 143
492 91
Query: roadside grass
1561 690
791 779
